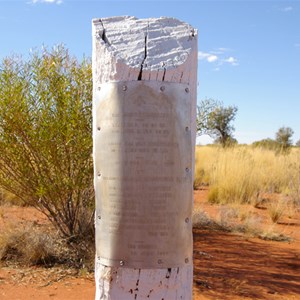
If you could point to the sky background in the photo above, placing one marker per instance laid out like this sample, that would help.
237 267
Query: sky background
249 51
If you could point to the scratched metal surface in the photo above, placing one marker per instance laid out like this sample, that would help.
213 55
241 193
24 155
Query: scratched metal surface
143 181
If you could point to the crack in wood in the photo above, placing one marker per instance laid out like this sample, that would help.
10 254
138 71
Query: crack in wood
163 78
103 35
145 56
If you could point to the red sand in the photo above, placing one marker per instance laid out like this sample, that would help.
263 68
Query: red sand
226 266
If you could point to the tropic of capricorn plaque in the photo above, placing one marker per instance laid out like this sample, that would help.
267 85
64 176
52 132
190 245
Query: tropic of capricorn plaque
143 174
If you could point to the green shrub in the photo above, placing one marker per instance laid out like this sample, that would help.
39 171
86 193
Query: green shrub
45 137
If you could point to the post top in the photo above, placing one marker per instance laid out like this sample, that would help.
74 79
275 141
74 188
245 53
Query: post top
154 43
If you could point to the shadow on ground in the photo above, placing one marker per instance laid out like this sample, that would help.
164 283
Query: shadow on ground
229 266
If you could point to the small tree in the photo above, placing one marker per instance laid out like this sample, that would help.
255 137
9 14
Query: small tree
204 111
283 138
215 120
267 143
298 143
45 137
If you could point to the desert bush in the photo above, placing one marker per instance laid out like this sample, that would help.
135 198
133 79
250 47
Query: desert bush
28 245
268 144
34 245
243 174
45 137
200 219
231 219
271 235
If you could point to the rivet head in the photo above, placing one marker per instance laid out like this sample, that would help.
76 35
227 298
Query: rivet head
124 88
187 90
121 263
162 88
186 260
187 220
159 261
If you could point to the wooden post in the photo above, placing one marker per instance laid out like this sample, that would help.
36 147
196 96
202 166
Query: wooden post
163 50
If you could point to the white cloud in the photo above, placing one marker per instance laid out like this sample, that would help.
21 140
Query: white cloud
287 9
202 55
218 58
212 58
47 1
231 60
209 57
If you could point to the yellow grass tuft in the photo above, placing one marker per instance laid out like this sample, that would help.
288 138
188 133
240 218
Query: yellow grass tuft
276 210
242 174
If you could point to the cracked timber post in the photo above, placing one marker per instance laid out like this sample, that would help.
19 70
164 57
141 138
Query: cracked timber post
144 130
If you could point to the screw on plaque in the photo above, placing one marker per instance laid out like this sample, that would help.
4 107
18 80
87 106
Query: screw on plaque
162 88
124 88
187 128
186 260
99 217
99 174
121 263
187 169
99 128
99 88
187 90
159 262
187 220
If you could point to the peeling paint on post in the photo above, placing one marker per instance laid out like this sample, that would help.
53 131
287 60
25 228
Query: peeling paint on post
144 114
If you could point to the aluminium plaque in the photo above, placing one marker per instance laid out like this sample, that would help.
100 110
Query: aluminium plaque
143 174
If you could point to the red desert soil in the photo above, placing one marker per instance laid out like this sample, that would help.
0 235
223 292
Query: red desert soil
226 265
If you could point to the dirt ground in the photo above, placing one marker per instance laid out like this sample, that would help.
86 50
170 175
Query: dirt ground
226 265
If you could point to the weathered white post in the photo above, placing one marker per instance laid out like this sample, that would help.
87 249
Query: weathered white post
144 130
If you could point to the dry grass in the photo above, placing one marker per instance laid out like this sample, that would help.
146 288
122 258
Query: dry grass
233 220
34 245
243 174
7 198
200 219
276 210
270 235
28 245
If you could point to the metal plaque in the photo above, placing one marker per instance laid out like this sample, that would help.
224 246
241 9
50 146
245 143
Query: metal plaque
143 174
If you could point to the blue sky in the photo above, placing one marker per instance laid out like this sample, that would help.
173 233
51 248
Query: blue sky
249 51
